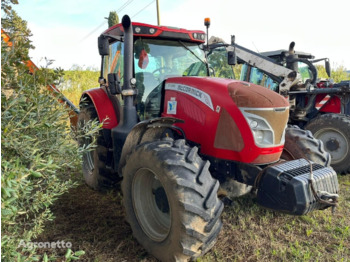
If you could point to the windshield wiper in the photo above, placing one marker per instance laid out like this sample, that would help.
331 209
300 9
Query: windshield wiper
193 53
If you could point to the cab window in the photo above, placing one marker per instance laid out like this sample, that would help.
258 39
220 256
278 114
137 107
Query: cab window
304 71
113 63
259 78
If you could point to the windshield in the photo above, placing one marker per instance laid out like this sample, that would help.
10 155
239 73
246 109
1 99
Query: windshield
156 60
217 60
165 58
305 72
258 77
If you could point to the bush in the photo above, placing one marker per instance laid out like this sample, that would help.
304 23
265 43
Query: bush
39 156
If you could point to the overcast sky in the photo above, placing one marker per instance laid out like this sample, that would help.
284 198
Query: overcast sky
67 30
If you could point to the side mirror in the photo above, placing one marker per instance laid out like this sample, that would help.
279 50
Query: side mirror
231 55
231 58
103 45
114 84
328 67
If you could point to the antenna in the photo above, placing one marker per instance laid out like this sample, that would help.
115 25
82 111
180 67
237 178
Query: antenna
207 24
257 50
158 14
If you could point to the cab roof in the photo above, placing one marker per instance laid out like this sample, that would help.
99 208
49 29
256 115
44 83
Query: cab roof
152 31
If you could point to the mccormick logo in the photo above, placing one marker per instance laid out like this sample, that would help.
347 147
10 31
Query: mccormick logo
192 91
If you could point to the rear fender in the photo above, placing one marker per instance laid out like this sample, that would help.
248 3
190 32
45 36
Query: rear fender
107 107
145 131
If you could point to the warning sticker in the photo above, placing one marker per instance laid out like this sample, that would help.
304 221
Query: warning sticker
172 107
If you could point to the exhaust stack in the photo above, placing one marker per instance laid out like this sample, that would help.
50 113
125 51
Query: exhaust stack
129 117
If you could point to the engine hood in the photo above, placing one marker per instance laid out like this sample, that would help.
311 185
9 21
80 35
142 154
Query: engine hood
245 94
229 119
242 93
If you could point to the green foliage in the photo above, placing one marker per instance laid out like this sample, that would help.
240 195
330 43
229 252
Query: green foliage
77 80
237 71
218 61
113 18
338 73
321 72
38 152
6 5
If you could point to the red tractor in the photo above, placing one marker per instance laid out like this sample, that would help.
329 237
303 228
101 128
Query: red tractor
319 106
174 135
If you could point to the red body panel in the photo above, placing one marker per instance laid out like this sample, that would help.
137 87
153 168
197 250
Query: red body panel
202 117
104 107
332 105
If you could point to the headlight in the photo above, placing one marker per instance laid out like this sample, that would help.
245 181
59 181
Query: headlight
258 136
264 135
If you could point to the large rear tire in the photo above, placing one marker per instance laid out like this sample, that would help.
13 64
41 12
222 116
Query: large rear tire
302 144
171 200
334 131
95 171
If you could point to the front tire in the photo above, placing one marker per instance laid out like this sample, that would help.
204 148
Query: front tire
334 131
301 143
171 200
97 174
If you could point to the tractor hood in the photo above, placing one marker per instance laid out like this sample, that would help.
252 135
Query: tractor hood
236 120
243 94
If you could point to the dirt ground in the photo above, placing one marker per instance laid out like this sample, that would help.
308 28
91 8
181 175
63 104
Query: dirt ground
94 222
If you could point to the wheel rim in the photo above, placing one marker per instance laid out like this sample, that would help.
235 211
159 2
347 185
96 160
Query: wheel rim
151 205
88 159
335 143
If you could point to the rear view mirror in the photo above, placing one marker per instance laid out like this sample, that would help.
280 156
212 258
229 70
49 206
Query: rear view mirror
328 67
103 45
231 58
231 55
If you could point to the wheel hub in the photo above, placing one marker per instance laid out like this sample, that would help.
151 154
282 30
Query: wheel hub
332 144
161 199
335 143
151 205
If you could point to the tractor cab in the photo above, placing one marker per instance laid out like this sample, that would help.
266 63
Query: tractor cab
158 54
304 66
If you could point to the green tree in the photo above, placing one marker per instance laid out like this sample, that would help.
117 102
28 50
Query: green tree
6 5
77 80
38 154
338 73
218 62
321 71
113 18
